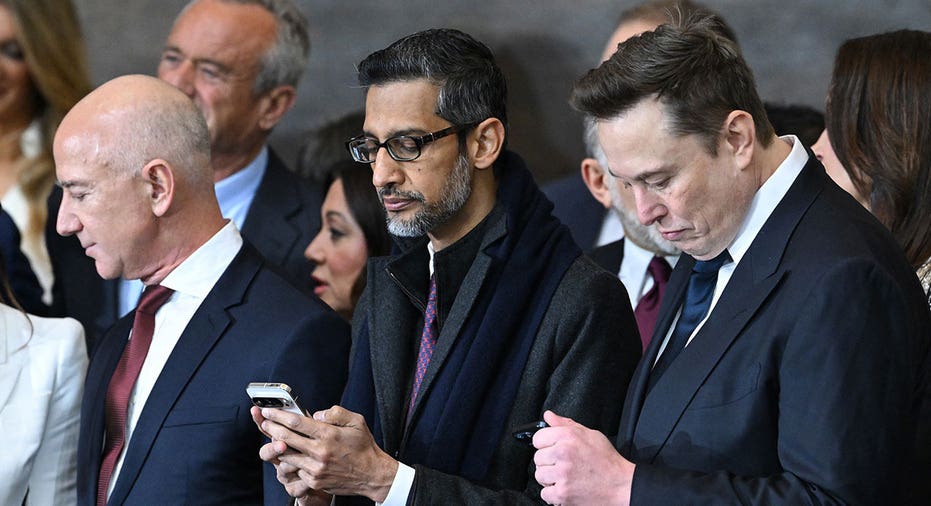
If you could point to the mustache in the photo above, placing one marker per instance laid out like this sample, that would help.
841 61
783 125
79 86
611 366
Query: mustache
391 191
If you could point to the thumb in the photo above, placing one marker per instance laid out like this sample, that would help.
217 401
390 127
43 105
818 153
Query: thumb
555 420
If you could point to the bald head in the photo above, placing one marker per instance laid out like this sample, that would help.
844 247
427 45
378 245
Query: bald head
132 120
133 159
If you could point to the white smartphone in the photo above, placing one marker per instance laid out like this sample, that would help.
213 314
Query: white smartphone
274 395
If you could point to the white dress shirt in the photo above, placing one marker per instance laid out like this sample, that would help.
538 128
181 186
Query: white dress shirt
611 229
635 270
235 194
192 280
761 207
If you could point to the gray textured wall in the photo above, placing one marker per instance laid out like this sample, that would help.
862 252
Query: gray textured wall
542 45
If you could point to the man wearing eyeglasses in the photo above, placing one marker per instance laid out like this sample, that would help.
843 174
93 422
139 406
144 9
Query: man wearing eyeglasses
486 317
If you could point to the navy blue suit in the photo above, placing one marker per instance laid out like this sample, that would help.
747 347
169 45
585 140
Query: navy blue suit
803 385
575 206
195 442
282 220
23 281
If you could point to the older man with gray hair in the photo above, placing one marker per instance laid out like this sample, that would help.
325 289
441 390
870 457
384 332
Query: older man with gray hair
240 62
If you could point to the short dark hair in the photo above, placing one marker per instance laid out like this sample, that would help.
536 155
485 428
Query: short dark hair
878 110
472 87
325 146
695 71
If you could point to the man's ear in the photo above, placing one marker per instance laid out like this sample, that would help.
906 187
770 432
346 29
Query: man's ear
159 179
486 142
740 137
597 181
275 103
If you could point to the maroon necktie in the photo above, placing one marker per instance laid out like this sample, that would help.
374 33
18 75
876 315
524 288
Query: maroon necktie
123 379
648 307
427 342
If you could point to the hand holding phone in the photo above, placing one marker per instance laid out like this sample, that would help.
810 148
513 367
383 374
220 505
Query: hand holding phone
274 395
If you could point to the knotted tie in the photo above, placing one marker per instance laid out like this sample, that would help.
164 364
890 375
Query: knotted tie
123 379
697 301
427 342
648 307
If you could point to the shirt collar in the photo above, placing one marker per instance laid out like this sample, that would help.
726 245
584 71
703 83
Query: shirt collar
242 184
768 197
198 273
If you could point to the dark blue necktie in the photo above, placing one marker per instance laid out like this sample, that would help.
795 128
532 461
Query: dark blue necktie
697 301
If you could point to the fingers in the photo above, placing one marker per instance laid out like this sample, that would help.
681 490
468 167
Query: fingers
270 452
337 415
555 420
258 419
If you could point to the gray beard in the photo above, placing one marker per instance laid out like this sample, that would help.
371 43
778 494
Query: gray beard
457 191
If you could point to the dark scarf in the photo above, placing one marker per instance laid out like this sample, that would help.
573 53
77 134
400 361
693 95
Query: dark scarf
463 415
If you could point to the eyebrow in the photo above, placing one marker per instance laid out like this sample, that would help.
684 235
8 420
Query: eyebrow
72 184
643 176
336 215
397 133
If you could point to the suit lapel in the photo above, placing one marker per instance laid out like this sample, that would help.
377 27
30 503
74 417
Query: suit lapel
268 225
93 412
653 417
391 358
206 327
675 292
610 256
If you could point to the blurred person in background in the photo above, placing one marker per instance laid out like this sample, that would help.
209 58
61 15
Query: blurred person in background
43 72
877 145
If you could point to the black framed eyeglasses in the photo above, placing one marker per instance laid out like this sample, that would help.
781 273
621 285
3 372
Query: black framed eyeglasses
401 148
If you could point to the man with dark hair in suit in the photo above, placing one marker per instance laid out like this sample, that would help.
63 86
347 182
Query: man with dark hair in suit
240 62
487 316
790 355
165 418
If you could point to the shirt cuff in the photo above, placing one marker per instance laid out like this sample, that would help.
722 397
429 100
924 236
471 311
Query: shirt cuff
400 487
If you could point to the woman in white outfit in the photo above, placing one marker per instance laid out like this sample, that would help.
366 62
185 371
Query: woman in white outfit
42 366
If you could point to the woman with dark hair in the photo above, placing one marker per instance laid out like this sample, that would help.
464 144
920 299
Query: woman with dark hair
878 142
353 229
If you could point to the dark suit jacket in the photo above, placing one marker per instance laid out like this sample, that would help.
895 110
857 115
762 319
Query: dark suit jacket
282 220
195 442
802 385
576 208
609 256
22 279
